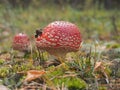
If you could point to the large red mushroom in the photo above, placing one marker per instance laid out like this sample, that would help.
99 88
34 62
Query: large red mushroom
59 38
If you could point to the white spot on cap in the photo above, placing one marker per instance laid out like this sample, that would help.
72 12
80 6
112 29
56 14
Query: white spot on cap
57 37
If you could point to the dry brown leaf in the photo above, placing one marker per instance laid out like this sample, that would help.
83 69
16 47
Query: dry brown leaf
97 65
5 56
34 74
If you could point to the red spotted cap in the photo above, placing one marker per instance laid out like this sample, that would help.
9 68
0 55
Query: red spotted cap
21 42
59 37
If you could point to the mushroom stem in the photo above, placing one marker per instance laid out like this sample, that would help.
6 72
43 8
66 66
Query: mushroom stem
41 57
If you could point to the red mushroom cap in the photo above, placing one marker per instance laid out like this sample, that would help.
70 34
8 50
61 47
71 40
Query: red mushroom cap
21 42
59 37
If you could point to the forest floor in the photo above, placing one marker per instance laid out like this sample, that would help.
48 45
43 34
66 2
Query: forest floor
96 66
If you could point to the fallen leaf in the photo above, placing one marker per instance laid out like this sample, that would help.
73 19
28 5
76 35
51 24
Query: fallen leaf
34 74
97 65
5 56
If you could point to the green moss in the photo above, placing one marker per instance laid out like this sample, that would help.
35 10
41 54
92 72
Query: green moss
72 83
102 88
4 71
115 45
1 61
59 71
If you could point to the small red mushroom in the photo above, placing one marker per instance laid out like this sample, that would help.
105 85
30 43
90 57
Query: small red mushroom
21 42
59 38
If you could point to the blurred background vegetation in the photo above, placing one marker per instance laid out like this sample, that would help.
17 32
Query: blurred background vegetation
79 4
97 19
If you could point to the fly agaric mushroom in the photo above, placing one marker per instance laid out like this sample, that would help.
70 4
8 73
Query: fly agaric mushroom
59 38
21 42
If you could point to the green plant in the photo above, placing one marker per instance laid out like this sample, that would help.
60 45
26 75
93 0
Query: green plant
72 83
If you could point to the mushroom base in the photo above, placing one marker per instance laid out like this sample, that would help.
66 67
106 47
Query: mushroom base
59 52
